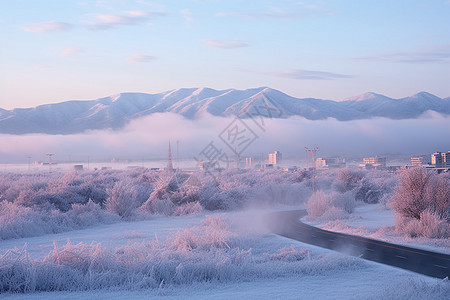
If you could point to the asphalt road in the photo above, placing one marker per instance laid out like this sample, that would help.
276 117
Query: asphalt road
288 224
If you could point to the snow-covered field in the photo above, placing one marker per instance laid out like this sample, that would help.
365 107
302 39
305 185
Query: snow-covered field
138 233
221 256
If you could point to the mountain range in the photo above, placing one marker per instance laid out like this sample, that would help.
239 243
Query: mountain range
116 111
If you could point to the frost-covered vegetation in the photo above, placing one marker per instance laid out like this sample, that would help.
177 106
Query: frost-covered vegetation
340 191
211 251
420 198
36 204
422 203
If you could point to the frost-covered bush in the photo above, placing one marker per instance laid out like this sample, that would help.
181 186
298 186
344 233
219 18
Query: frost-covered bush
429 225
190 208
288 253
18 221
368 193
347 180
319 203
157 206
331 206
122 199
90 214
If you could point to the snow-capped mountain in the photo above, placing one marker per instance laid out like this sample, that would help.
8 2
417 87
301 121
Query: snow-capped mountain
115 111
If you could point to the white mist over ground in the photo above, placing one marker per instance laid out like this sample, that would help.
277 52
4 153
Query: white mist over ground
148 138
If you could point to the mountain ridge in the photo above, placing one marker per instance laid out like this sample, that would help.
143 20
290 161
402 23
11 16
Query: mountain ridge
114 112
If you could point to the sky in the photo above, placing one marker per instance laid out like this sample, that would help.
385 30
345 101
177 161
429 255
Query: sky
53 51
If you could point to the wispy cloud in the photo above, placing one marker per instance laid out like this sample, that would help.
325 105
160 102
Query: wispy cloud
71 51
310 75
300 74
139 57
298 10
41 67
107 21
49 26
188 18
440 54
226 44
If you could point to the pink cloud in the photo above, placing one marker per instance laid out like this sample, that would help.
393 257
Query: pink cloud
50 26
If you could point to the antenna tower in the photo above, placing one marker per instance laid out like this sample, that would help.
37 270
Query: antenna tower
313 152
50 161
169 162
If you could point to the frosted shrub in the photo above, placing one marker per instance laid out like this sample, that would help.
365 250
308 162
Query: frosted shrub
190 208
18 221
186 194
319 203
157 206
368 193
164 186
122 199
334 213
429 225
90 214
331 206
441 203
288 254
345 201
348 180
433 226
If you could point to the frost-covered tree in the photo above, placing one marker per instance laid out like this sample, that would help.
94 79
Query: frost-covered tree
422 203
413 194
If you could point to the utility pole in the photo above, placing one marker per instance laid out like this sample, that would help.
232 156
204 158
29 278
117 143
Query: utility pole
169 162
178 155
313 152
50 161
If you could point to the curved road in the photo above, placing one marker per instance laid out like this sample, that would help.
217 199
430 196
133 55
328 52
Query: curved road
288 224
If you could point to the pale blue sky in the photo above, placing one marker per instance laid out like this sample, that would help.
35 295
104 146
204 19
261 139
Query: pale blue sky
53 51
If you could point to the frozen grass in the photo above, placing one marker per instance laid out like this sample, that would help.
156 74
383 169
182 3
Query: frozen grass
218 258
208 252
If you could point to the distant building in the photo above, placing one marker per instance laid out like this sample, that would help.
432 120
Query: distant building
78 167
248 162
205 165
420 160
440 159
275 158
374 163
332 162
290 169
268 166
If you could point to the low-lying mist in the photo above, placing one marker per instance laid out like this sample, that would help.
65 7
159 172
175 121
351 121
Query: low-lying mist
148 138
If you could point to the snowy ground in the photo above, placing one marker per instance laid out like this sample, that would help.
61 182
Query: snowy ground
323 275
377 222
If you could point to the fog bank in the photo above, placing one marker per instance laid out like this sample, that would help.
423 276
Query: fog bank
148 138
